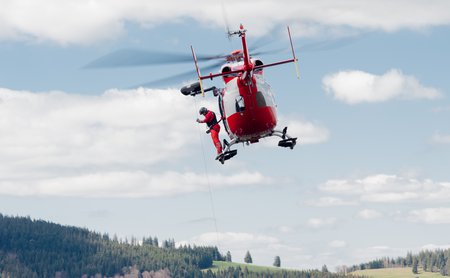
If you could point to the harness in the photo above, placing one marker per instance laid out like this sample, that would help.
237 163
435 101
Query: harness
213 122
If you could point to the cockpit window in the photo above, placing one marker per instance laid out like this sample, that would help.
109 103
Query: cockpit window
264 95
260 100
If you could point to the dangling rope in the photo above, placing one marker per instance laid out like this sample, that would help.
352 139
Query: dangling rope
213 211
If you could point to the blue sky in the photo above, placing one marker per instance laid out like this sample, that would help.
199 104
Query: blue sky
369 177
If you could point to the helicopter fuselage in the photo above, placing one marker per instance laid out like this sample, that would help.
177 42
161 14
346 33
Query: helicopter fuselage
247 105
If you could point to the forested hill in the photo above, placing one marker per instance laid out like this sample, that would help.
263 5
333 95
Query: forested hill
36 248
427 260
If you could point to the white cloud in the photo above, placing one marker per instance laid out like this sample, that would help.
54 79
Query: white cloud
306 131
263 248
369 214
353 87
251 240
137 184
389 189
370 253
441 109
329 202
430 216
59 20
118 127
337 244
285 229
319 223
59 144
440 138
435 247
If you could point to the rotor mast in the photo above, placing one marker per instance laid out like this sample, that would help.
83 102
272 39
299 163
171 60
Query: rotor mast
246 56
248 67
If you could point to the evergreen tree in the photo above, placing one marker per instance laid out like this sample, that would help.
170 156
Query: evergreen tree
447 265
277 261
324 268
445 270
248 258
34 248
409 258
228 257
415 264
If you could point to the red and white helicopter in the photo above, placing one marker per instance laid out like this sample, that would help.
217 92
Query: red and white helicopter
246 104
247 107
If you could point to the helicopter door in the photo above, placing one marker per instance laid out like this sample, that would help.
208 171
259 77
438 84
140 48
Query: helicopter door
222 113
240 105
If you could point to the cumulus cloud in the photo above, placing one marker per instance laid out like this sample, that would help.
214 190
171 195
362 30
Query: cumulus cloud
59 20
251 240
337 244
73 130
329 202
307 132
369 253
441 109
59 144
353 87
262 247
440 138
137 184
430 216
319 223
383 188
435 247
369 214
285 229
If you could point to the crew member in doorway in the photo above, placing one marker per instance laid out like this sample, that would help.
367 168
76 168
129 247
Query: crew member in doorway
213 127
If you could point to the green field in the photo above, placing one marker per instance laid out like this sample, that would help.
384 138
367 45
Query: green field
372 273
218 265
396 273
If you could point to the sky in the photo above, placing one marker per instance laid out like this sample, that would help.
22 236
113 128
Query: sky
369 177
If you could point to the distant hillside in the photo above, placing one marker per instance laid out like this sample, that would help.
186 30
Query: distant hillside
399 272
35 248
230 269
428 263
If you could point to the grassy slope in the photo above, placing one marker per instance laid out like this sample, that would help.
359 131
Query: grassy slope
396 273
217 265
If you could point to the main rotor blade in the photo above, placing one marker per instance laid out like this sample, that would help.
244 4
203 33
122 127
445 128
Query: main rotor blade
317 46
178 78
331 44
136 57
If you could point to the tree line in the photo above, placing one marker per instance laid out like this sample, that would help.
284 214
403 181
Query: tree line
429 260
35 248
237 272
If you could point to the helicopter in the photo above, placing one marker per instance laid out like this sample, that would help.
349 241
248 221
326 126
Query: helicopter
247 107
246 104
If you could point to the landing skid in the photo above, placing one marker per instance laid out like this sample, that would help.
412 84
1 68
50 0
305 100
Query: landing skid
285 142
288 143
226 155
227 152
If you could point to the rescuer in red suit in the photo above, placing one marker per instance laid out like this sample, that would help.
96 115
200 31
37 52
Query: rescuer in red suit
214 127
